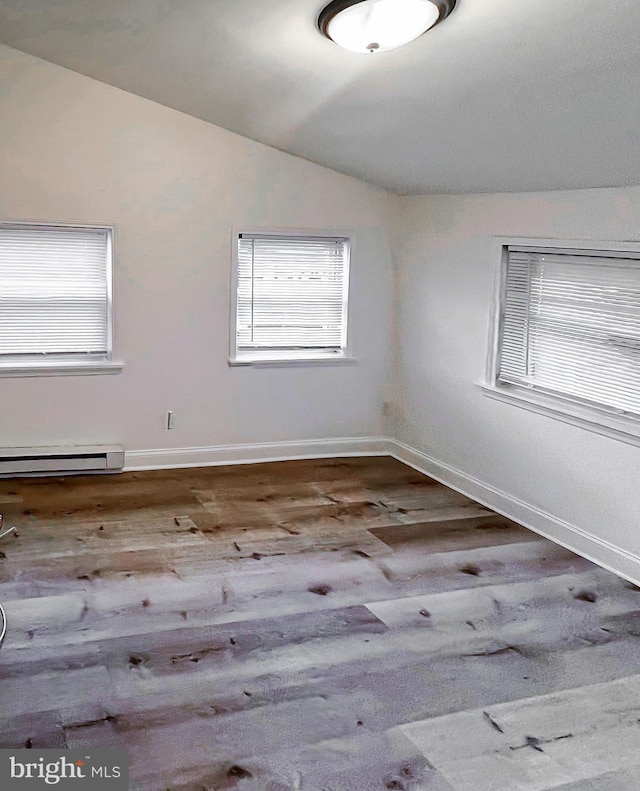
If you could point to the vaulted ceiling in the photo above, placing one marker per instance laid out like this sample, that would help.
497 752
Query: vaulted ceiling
504 95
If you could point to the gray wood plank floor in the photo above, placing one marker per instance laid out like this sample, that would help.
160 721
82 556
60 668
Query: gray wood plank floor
330 625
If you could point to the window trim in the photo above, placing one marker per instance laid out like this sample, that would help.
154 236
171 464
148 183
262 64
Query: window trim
276 357
66 365
600 420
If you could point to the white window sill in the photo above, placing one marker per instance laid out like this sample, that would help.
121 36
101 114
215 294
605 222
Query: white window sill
59 368
620 427
265 361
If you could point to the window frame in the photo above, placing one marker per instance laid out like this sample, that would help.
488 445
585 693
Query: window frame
281 357
609 422
68 364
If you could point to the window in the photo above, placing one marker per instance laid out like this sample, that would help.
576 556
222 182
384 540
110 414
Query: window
55 297
569 330
290 297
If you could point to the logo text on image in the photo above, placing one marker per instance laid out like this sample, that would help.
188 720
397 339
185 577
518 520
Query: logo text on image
75 768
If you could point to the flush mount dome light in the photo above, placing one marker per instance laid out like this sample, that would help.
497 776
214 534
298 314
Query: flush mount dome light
380 25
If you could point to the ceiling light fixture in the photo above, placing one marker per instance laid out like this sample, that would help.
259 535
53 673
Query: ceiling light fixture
380 25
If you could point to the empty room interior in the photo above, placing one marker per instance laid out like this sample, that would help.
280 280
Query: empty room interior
320 394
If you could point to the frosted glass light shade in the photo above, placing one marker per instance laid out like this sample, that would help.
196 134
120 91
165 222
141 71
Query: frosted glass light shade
380 25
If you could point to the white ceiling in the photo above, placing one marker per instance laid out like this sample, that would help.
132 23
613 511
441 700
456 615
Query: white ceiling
504 95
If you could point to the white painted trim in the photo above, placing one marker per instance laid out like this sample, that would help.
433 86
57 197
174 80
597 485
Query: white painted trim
603 553
615 426
108 365
275 361
304 357
217 455
589 246
80 368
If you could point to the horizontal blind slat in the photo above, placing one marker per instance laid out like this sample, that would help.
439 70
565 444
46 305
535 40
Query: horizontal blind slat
291 292
53 290
571 325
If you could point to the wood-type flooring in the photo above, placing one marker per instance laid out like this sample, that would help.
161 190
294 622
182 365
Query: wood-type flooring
328 625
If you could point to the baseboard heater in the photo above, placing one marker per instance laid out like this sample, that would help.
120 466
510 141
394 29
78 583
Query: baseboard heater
61 460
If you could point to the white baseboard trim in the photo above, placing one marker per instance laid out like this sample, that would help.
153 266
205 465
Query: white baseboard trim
609 556
217 455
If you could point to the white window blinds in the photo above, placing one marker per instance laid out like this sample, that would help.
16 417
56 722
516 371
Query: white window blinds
54 291
571 326
291 293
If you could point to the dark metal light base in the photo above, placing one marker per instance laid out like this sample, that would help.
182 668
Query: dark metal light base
445 7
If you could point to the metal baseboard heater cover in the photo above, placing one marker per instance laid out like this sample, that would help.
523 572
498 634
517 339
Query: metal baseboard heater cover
61 459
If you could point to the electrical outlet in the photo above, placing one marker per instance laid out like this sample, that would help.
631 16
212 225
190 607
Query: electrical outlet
171 420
